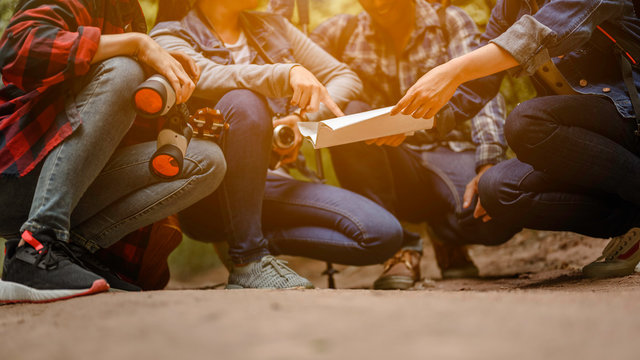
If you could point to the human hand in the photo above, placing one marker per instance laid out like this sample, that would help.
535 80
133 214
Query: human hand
291 154
308 92
430 93
179 69
391 140
471 190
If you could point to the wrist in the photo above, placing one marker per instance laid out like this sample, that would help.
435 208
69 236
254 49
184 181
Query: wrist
139 42
458 67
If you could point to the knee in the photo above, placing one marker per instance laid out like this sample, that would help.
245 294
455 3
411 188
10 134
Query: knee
528 125
246 109
382 240
491 190
205 159
121 74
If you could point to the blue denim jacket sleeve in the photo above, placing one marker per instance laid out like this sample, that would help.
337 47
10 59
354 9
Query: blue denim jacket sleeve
558 27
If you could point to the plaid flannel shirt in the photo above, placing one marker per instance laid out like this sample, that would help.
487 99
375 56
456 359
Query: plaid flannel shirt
386 78
46 44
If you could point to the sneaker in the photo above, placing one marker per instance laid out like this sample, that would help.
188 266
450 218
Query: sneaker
621 255
45 270
454 261
400 272
93 264
266 273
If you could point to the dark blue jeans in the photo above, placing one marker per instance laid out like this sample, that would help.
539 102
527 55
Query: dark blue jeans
418 186
577 168
286 216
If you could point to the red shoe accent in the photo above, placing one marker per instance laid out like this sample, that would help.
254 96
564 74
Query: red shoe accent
631 251
98 286
28 237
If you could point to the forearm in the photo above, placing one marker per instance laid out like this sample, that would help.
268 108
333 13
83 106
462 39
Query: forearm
487 60
119 45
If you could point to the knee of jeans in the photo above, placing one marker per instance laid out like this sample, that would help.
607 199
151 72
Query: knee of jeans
205 158
528 125
121 74
246 110
489 190
383 240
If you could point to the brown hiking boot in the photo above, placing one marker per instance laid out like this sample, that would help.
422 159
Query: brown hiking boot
454 261
400 272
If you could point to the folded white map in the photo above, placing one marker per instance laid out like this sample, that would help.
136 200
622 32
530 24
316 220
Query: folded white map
359 127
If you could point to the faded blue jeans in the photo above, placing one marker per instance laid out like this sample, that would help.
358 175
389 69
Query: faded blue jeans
88 191
259 215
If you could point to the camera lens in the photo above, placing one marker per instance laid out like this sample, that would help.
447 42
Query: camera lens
284 137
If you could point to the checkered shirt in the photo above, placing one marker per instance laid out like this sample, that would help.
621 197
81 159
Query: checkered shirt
387 78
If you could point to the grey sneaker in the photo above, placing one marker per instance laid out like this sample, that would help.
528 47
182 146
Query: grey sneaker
266 273
621 255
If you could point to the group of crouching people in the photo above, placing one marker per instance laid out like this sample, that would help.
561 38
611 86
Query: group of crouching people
74 157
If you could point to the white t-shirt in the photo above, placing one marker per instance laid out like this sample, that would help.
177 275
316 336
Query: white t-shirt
240 50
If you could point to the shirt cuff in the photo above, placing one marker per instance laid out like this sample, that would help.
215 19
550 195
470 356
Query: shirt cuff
526 41
489 154
86 49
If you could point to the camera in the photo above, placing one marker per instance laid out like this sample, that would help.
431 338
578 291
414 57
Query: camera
155 98
284 137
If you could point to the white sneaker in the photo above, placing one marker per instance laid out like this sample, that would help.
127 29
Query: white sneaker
621 255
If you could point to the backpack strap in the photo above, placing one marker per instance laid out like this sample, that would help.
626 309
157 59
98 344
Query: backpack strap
628 59
627 75
345 36
442 17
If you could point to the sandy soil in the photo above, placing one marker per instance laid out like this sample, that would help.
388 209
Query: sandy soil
531 303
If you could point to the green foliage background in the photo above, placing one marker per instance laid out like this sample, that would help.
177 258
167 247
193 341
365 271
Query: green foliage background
192 257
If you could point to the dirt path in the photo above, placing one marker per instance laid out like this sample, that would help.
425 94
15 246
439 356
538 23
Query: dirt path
532 303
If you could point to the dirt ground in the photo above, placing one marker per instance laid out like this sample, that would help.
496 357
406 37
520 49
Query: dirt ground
530 303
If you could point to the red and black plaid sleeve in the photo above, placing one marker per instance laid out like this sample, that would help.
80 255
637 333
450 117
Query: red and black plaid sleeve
47 43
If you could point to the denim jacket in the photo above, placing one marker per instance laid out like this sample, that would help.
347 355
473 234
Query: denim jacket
564 30
282 43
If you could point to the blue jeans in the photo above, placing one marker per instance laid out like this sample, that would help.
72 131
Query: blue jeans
418 186
285 216
89 192
577 169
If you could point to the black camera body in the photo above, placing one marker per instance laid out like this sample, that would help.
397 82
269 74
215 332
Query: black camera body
156 99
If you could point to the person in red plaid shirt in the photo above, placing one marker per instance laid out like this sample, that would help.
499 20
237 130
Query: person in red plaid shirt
69 69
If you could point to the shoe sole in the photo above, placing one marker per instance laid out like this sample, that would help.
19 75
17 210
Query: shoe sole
14 293
393 283
600 270
239 287
460 273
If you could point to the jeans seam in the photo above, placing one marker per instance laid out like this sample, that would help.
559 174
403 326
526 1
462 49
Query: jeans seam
100 74
114 226
320 206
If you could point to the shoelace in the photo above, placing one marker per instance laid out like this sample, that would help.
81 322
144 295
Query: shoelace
403 256
618 245
278 265
53 252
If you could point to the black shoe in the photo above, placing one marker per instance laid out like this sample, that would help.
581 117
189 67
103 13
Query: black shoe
91 262
45 270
